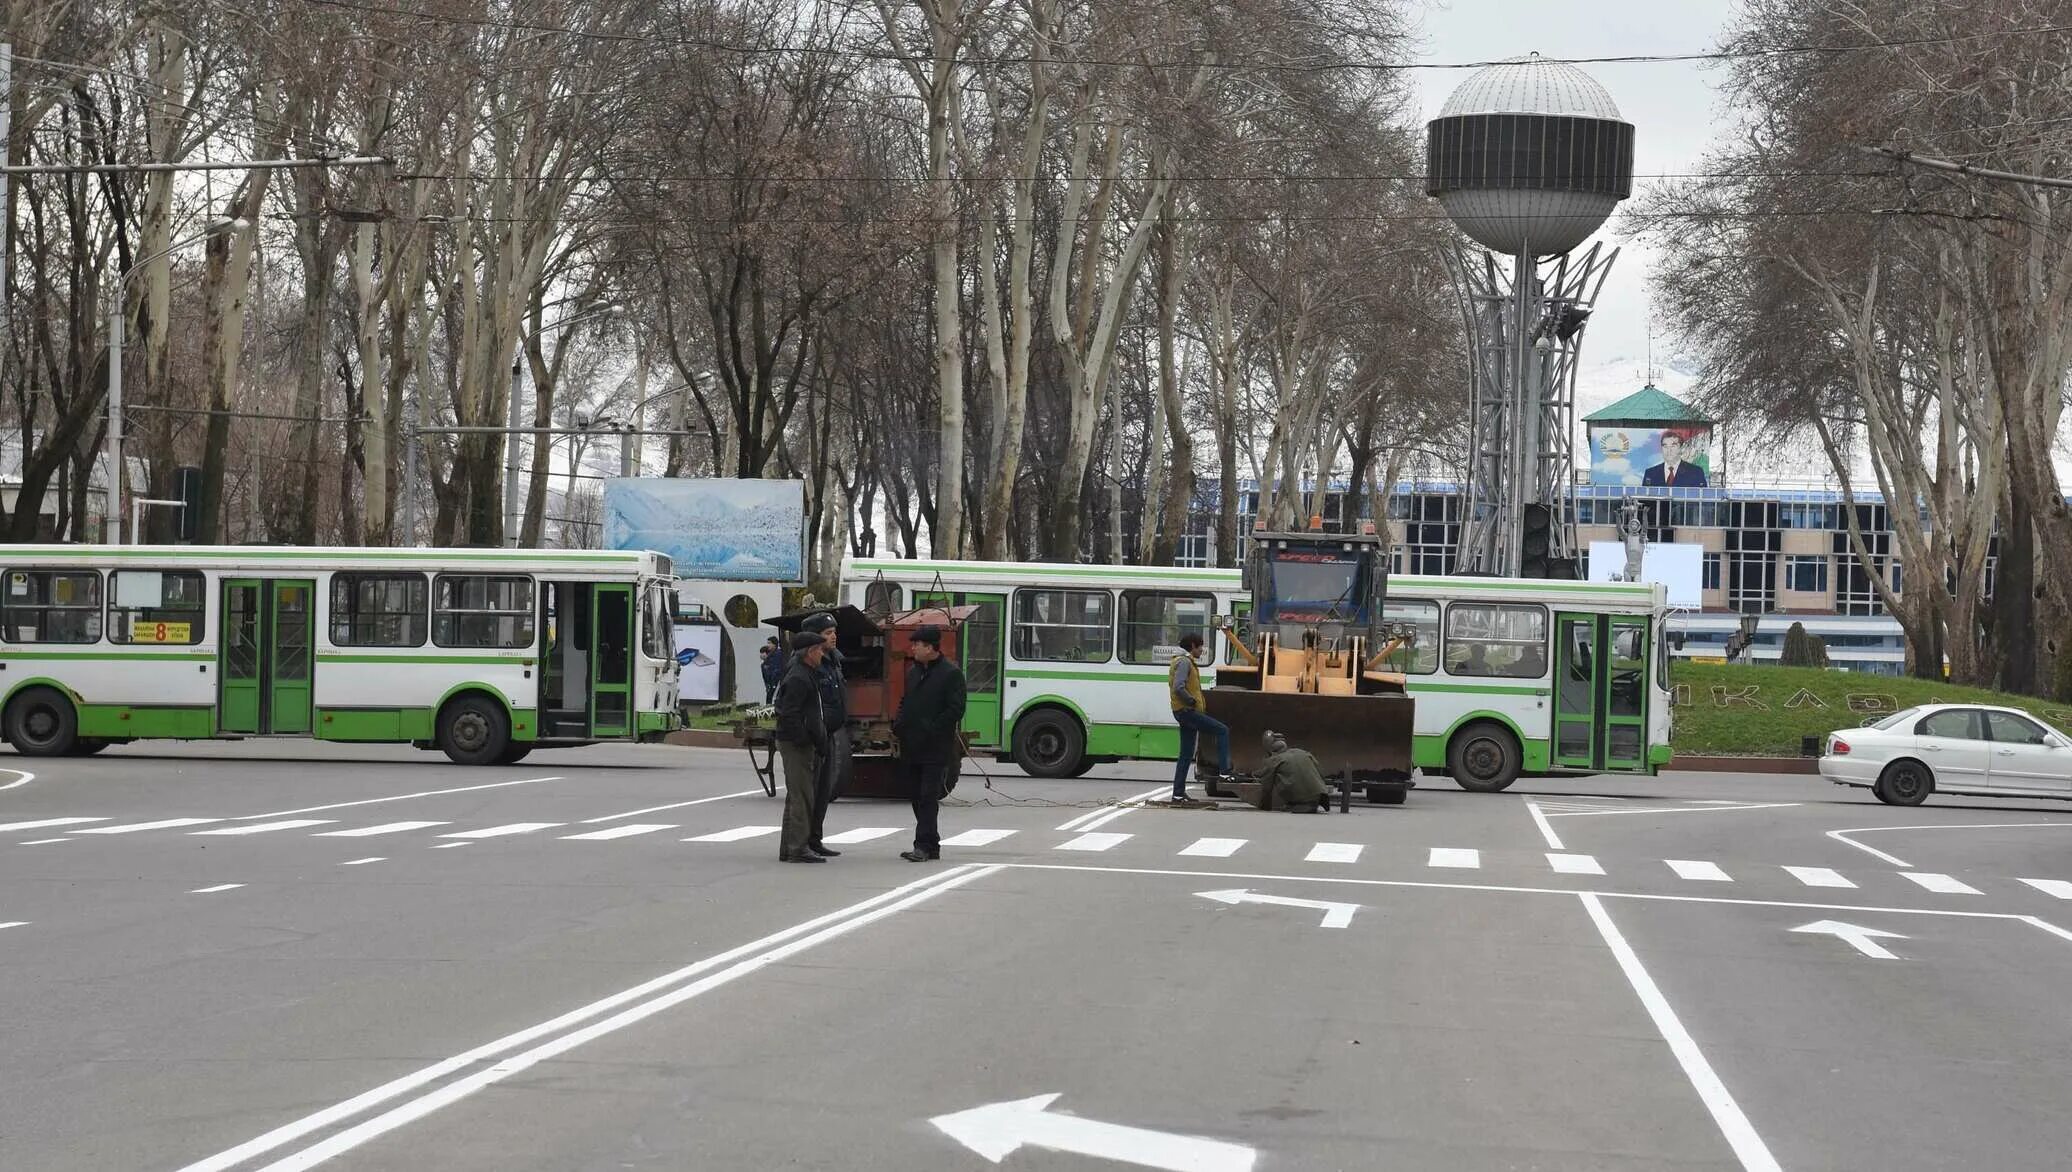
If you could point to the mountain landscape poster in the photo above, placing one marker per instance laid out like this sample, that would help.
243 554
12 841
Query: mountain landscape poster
733 530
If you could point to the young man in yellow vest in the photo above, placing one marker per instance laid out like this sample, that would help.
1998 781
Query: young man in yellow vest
1191 713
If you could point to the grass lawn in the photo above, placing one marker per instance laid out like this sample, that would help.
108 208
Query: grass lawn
1788 703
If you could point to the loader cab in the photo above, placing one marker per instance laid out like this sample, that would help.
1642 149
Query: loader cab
1326 583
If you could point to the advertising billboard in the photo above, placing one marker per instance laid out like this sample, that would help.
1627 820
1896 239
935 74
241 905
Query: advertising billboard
732 530
698 654
1678 565
1651 457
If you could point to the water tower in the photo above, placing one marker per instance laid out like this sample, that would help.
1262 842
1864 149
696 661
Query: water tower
1528 157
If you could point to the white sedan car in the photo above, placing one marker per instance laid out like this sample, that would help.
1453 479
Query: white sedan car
1953 749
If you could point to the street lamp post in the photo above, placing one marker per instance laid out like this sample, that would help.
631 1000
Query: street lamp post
117 317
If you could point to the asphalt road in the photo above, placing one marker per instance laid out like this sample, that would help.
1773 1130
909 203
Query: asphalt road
290 956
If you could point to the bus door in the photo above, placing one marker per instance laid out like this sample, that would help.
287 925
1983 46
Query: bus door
981 642
264 663
611 660
1600 692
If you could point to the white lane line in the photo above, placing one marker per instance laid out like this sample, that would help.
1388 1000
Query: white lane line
779 945
162 824
1842 836
673 806
864 834
1214 848
1579 813
1453 856
430 793
1818 877
15 924
1334 852
977 837
737 834
1699 870
363 862
45 841
1941 884
1096 819
508 828
627 831
447 846
1539 819
218 887
1574 864
384 828
1726 1113
42 822
25 778
268 827
2056 888
1094 842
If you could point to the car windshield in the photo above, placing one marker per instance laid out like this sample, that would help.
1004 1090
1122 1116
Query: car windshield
1898 718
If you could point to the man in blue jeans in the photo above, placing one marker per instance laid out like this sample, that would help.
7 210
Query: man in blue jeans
1191 713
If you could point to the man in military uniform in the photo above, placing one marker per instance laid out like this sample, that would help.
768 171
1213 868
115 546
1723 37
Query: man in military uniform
1290 780
839 760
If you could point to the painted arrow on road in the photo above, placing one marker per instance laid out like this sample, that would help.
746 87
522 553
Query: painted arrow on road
1336 915
1864 940
996 1130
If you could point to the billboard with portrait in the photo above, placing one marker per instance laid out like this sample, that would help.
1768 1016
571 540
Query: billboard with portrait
731 530
1651 457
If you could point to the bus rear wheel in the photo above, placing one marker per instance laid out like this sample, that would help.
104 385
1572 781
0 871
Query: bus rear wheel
1483 757
1049 743
42 723
473 730
515 752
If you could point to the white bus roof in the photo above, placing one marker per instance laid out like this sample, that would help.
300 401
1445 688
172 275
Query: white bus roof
311 557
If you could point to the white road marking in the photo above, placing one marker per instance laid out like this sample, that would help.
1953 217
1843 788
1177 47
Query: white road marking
1334 852
447 846
1107 814
1862 939
740 962
1453 856
1941 884
997 1130
2034 921
384 828
1726 1113
45 841
2056 888
1546 828
626 831
1214 848
864 834
1677 810
162 824
673 806
1094 842
977 837
508 828
1336 915
1699 870
268 827
1842 836
15 924
25 778
430 793
215 889
42 822
1574 864
737 834
1818 877
361 862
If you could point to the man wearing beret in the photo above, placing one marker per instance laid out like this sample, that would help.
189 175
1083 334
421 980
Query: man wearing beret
802 742
930 712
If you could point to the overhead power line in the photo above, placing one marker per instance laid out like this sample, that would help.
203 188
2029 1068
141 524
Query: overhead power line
1908 157
235 165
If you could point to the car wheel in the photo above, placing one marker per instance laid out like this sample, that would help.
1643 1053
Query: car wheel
1904 783
1049 743
1483 757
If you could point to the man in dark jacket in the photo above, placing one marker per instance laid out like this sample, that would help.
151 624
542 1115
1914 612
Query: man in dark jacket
834 708
1289 779
773 669
930 751
801 741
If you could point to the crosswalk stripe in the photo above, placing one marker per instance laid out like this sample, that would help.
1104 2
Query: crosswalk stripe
1941 884
1095 841
1698 869
626 831
1334 852
976 837
1214 848
2057 888
384 828
362 862
14 924
864 834
1818 877
268 827
1574 864
41 822
736 834
501 831
1452 856
162 824
213 890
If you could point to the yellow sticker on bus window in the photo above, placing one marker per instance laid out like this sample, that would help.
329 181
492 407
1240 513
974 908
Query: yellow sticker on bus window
152 631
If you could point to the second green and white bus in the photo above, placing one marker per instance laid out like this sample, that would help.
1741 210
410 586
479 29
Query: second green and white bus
485 654
1066 663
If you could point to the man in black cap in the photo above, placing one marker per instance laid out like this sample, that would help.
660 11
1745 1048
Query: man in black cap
801 741
930 711
834 709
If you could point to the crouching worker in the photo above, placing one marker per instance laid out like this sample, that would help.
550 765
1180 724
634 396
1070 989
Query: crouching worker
1290 780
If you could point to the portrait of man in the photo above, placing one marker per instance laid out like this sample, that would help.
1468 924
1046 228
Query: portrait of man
1674 471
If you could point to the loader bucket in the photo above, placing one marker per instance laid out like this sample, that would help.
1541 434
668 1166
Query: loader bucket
1359 737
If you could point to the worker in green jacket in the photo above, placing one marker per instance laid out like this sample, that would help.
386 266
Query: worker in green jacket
1290 780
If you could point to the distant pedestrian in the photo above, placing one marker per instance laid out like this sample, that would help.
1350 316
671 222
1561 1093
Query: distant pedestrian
801 741
834 708
930 752
773 669
1190 712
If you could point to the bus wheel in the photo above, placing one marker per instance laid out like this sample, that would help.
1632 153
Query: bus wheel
87 747
41 723
515 752
473 730
1049 743
1483 757
1085 766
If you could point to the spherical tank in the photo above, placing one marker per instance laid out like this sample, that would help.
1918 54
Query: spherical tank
1529 154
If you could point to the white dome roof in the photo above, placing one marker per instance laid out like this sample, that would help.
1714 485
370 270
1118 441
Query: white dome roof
1531 85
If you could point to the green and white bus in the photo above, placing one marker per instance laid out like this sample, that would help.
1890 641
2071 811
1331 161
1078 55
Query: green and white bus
483 653
1066 663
